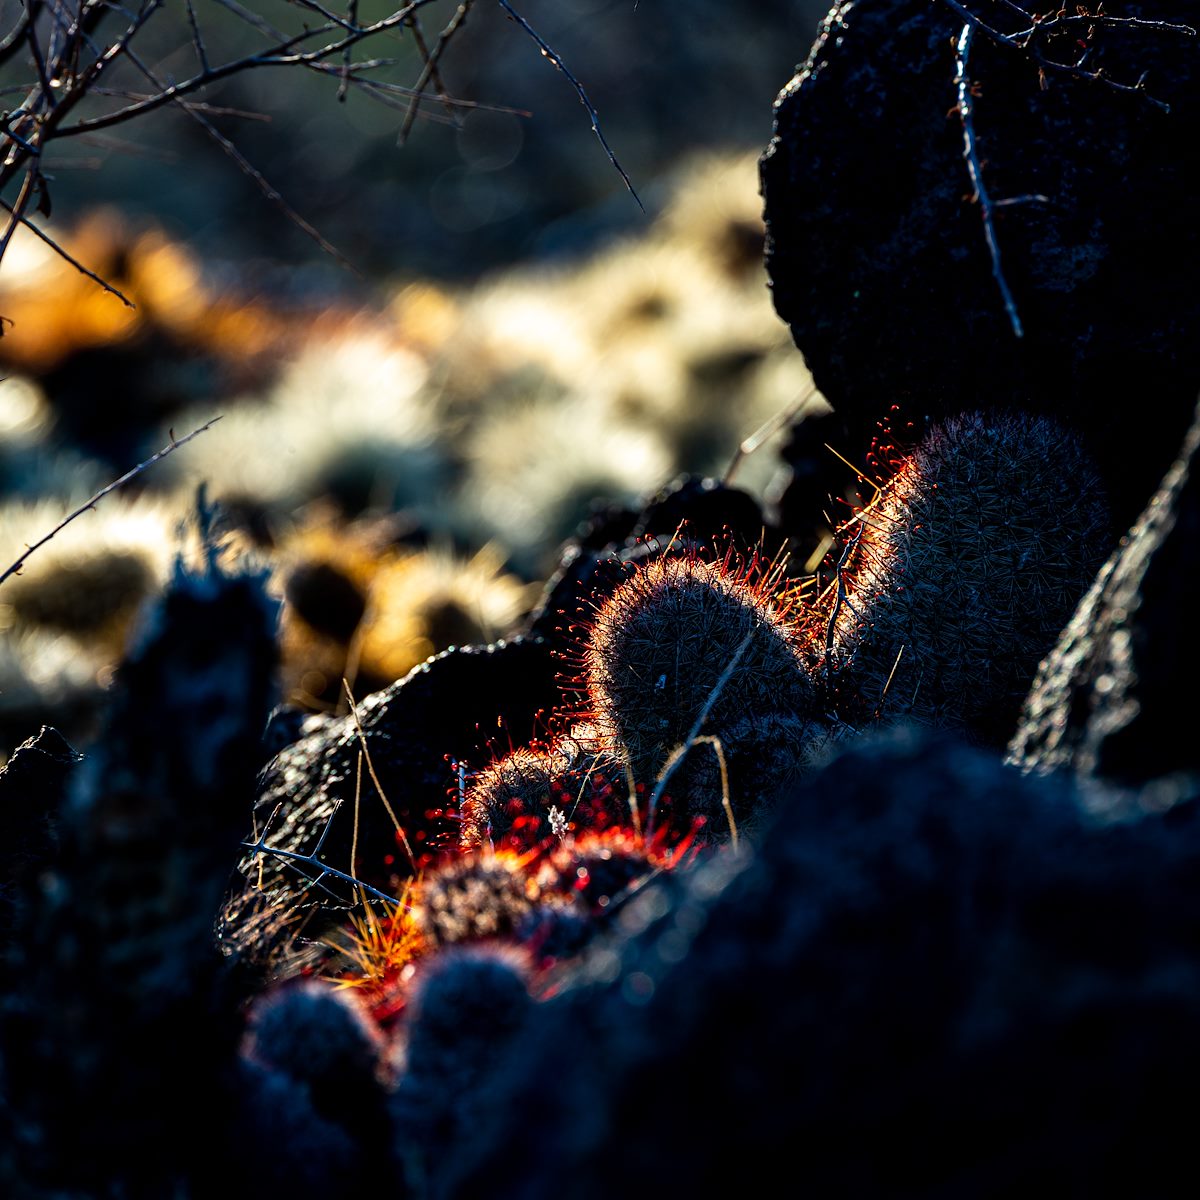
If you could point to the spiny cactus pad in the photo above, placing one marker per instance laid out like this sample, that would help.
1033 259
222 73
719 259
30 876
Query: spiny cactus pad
508 803
664 640
964 569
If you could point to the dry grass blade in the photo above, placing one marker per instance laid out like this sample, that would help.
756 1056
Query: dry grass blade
668 770
366 750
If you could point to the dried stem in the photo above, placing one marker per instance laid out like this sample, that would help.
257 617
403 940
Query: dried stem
966 112
170 448
664 776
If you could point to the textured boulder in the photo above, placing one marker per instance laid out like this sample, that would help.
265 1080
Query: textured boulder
457 707
877 254
936 976
1107 699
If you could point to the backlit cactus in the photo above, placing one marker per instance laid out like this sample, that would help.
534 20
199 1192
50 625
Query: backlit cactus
962 571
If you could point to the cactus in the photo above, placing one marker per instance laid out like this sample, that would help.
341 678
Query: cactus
958 577
312 1086
468 1006
599 870
687 646
508 804
318 1035
479 896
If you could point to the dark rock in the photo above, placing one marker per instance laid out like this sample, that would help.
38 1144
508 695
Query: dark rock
815 478
288 724
33 785
877 255
935 977
704 510
1107 700
119 1047
453 708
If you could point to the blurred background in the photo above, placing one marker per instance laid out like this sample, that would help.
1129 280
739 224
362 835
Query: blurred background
407 439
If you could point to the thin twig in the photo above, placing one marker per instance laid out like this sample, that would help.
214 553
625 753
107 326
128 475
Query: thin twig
557 62
283 54
430 70
840 597
1028 41
197 40
68 257
347 55
170 448
248 169
17 211
12 41
711 739
768 429
259 846
966 111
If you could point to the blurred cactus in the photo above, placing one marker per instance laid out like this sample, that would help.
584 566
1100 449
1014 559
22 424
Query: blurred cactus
117 952
319 1036
468 1006
314 1090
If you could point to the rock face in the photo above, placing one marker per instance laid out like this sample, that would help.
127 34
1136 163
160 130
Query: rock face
33 785
1107 701
934 977
878 258
449 708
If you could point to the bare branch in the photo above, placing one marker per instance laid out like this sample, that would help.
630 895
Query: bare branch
249 170
197 40
64 254
323 869
430 72
1029 41
547 52
11 43
347 55
17 211
252 18
282 55
966 112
